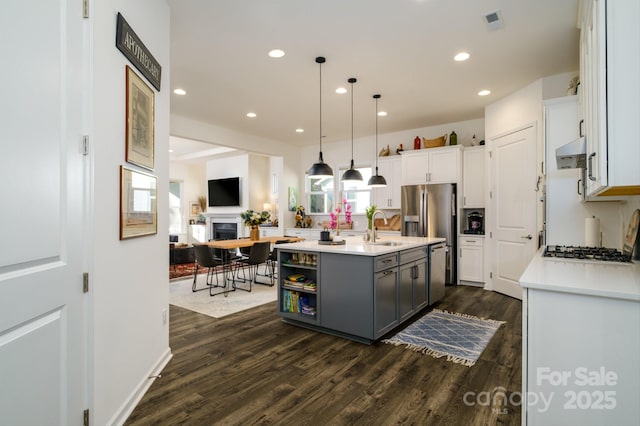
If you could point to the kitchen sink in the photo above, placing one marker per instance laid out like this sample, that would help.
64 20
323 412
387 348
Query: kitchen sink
387 243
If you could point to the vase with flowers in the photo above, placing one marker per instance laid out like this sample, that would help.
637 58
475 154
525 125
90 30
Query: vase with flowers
370 211
254 219
335 216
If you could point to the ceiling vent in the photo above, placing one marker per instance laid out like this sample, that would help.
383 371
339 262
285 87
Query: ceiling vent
493 20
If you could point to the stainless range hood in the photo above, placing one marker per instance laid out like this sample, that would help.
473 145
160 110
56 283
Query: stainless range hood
572 155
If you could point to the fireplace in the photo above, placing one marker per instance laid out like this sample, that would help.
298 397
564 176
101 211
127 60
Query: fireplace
224 231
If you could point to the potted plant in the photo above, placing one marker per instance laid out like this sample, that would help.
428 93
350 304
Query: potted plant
202 202
335 216
370 211
254 219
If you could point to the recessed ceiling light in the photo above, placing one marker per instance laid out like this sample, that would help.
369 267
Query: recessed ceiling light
484 92
341 90
276 53
180 92
170 150
251 114
382 113
299 130
462 56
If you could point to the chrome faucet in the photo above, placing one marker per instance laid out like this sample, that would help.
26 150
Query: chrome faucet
384 216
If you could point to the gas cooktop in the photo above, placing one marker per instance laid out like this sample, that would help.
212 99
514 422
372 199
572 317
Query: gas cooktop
585 253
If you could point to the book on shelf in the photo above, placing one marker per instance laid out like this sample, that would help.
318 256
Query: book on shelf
296 303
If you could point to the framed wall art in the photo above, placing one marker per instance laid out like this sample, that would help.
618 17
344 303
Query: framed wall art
194 208
138 207
293 199
140 121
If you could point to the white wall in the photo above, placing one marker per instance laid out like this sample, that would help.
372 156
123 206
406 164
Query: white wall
194 184
289 170
129 278
259 182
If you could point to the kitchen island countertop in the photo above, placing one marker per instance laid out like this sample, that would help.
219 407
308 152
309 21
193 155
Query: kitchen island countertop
605 279
355 245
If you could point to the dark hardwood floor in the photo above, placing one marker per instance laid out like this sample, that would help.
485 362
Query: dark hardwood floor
251 368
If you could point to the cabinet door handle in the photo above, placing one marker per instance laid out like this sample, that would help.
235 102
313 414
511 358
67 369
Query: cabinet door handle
580 127
528 237
579 183
387 272
590 166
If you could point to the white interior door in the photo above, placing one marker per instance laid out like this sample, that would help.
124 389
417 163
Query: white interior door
42 320
514 204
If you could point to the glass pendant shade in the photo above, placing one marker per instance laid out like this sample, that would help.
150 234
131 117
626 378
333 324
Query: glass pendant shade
377 181
320 169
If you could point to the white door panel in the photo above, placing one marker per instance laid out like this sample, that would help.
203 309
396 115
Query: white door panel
42 335
514 203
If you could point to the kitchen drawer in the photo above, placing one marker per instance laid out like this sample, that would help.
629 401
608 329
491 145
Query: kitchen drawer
407 256
471 241
386 261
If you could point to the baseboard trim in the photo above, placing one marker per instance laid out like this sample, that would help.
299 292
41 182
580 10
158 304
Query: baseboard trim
143 386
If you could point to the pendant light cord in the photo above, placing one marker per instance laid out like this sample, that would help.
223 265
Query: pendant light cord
320 63
376 153
352 80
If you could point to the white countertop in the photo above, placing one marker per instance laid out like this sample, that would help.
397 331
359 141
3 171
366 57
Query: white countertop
605 279
355 245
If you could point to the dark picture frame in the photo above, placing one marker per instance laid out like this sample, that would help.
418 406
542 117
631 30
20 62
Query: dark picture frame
140 113
138 206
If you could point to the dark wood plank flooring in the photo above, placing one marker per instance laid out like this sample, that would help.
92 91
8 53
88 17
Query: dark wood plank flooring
251 368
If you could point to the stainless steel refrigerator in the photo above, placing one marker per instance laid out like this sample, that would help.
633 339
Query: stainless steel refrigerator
430 211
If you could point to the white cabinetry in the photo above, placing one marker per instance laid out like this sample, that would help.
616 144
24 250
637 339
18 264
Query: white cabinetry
471 259
389 196
306 233
610 96
273 231
473 177
432 165
580 352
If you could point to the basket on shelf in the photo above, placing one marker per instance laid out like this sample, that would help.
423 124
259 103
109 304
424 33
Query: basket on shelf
433 143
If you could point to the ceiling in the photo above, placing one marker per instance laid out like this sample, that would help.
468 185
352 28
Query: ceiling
401 49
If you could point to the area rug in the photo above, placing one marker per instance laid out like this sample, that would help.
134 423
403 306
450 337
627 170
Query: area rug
459 337
180 294
184 270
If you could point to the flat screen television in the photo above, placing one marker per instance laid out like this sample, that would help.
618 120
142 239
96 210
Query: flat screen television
224 192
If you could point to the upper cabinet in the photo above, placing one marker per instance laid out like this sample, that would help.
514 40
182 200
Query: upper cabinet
432 165
610 95
473 177
389 196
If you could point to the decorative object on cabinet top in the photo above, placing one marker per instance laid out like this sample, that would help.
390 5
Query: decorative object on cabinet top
433 143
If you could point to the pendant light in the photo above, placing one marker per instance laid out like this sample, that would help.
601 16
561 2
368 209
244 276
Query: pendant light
377 181
352 173
320 169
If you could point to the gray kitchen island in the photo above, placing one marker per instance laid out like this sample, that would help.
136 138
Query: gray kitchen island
359 291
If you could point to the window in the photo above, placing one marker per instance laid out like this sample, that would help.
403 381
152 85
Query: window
357 193
175 207
320 192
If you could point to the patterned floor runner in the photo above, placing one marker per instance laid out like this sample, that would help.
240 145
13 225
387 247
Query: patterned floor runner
459 337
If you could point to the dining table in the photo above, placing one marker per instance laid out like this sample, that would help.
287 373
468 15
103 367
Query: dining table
247 242
226 245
